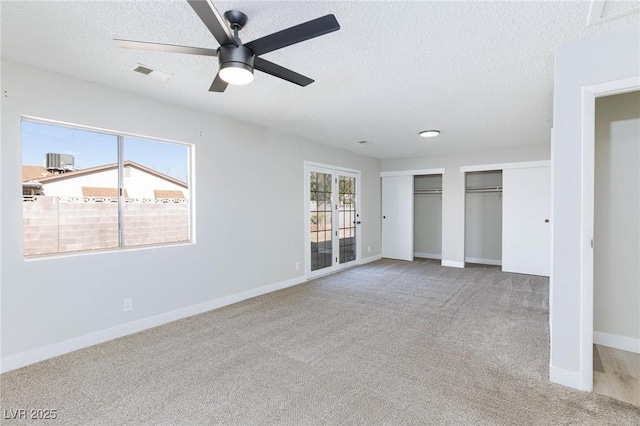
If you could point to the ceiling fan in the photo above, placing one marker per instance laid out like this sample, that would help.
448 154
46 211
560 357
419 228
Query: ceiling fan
237 60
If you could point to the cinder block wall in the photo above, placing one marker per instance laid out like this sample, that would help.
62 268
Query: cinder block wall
54 226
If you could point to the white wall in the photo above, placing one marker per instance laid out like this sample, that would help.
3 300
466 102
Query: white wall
453 185
616 283
600 58
427 218
249 199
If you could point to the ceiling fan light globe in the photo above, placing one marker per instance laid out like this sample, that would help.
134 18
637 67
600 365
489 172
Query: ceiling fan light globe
236 73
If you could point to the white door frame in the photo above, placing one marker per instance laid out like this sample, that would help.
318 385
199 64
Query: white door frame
589 95
310 166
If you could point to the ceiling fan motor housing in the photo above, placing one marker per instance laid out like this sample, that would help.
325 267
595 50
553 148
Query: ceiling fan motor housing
238 55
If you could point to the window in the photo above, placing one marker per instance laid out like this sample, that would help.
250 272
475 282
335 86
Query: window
89 190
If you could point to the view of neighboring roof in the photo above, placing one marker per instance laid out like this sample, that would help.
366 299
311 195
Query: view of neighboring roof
38 173
97 192
34 173
167 193
93 191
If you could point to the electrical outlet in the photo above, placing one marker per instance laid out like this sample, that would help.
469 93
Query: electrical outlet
128 304
368 249
297 266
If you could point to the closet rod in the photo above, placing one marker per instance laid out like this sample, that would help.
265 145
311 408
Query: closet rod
485 189
427 191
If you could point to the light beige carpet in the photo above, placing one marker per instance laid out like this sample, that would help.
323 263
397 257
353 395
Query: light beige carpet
386 343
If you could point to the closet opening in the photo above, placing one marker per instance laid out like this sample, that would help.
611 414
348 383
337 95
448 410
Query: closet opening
427 217
483 218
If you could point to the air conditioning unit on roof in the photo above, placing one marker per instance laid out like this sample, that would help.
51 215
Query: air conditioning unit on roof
58 162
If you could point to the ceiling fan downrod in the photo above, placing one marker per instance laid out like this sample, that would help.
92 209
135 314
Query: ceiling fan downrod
236 20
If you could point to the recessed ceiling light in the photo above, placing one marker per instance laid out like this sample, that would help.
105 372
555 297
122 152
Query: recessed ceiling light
429 133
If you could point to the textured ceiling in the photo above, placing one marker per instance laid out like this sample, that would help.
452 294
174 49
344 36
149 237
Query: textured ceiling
481 72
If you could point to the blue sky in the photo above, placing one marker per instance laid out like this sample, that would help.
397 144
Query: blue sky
91 149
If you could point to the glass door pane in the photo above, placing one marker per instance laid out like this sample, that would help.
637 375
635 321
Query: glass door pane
347 218
320 225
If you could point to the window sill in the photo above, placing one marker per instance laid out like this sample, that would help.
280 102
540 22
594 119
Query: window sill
49 256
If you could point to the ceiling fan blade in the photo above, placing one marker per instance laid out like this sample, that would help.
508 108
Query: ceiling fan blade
293 35
213 21
281 72
218 85
159 47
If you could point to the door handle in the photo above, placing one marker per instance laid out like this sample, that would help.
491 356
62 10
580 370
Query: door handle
384 217
546 221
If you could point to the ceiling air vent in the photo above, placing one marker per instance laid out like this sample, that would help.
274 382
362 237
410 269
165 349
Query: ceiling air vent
143 70
155 74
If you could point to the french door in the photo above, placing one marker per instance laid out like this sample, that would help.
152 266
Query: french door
332 219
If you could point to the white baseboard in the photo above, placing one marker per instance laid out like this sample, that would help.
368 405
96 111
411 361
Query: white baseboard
618 342
452 263
482 261
427 255
564 377
40 354
370 259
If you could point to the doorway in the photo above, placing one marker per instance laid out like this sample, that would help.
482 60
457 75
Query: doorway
616 247
332 218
